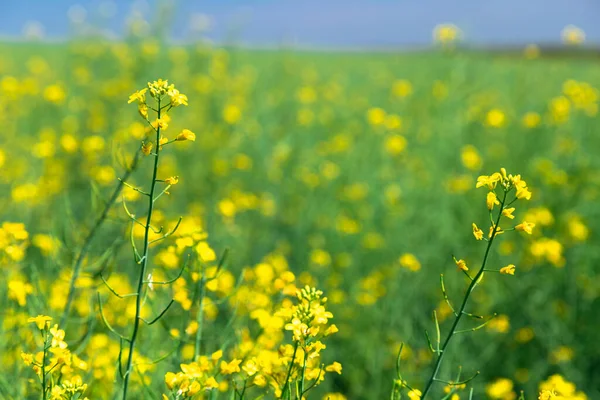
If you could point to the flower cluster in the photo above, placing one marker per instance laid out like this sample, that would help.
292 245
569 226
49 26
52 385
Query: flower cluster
158 90
506 183
55 366
558 388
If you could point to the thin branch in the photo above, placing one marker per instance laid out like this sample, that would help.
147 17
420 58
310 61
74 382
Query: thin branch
121 296
477 327
174 279
110 328
166 235
134 188
159 315
446 295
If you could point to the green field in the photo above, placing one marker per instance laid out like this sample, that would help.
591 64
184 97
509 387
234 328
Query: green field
337 167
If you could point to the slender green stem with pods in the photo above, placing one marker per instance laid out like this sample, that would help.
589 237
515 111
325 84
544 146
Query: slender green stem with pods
90 236
143 263
461 311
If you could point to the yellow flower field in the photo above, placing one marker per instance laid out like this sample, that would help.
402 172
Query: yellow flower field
194 222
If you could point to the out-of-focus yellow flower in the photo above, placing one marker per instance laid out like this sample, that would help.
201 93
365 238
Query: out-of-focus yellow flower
402 88
495 118
500 324
446 34
572 35
410 262
470 157
414 394
531 120
186 134
147 148
232 114
501 389
395 144
335 367
55 94
376 116
577 229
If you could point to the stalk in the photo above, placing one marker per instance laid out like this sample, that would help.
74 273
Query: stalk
461 310
144 264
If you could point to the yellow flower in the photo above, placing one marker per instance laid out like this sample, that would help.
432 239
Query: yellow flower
478 233
395 144
160 123
376 116
28 358
162 141
177 99
523 193
143 110
232 114
495 118
186 134
139 96
499 231
501 388
446 34
414 394
508 270
231 367
147 148
173 180
547 395
461 264
531 120
409 261
470 158
507 212
335 367
217 355
40 321
572 35
525 227
491 200
211 383
402 88
489 181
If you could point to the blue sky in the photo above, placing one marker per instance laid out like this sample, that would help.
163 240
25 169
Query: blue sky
331 23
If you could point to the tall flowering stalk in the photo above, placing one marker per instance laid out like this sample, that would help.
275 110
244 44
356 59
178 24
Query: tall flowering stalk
165 98
504 190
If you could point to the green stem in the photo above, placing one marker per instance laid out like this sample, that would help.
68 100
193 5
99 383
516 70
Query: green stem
44 363
301 391
461 310
88 240
144 264
200 316
289 373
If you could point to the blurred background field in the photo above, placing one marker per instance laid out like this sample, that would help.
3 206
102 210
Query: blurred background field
355 170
